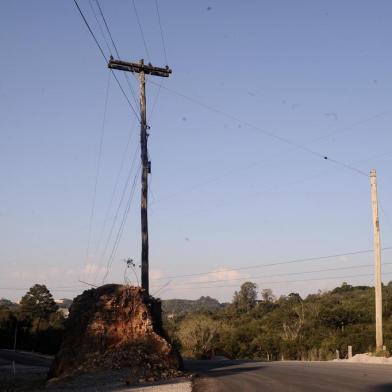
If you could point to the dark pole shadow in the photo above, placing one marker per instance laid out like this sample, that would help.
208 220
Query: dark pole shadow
381 388
221 368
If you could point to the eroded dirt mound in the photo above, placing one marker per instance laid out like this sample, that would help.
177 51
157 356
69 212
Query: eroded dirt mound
114 327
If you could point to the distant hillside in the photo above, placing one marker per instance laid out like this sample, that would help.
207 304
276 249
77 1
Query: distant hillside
6 303
184 306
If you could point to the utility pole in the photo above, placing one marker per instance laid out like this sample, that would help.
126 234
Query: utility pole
142 70
377 260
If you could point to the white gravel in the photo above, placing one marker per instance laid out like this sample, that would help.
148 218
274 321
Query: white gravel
185 386
367 358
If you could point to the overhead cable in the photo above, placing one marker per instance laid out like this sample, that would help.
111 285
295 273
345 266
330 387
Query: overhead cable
279 282
264 131
253 278
106 61
301 260
141 30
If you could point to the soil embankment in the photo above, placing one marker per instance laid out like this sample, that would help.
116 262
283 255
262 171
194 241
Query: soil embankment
116 327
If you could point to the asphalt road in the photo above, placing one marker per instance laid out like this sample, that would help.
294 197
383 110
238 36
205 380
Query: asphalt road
249 376
289 376
24 358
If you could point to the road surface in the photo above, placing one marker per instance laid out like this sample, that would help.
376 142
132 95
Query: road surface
24 358
29 371
289 376
249 376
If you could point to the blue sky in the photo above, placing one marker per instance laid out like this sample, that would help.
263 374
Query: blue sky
224 194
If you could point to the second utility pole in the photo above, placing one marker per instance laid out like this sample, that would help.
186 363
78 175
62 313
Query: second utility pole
377 261
142 70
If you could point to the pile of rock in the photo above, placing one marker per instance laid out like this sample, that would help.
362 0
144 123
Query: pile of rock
116 327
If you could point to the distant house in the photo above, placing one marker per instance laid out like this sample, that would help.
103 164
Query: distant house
64 312
64 304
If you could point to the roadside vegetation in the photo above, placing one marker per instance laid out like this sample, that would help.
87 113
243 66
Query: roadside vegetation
35 324
254 325
264 327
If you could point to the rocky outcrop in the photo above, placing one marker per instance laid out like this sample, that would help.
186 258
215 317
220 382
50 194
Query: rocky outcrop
115 327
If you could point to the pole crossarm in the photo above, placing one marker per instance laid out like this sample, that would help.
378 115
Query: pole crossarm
148 69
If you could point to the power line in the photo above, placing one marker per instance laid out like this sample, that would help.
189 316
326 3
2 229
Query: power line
161 30
130 86
141 30
114 249
317 258
155 100
117 212
281 282
254 163
252 278
165 54
347 166
99 26
121 228
116 50
259 193
217 178
264 131
213 287
107 27
72 288
114 191
66 289
161 288
28 288
125 95
97 170
91 32
352 125
219 203
385 215
106 61
104 56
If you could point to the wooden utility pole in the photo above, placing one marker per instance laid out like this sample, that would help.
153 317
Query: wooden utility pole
142 70
145 170
377 260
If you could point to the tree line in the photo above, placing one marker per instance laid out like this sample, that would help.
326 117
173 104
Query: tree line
288 327
35 324
254 325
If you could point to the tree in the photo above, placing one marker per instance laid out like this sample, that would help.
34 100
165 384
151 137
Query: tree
245 299
267 295
38 304
292 327
294 298
7 303
7 326
267 346
340 317
345 287
198 336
